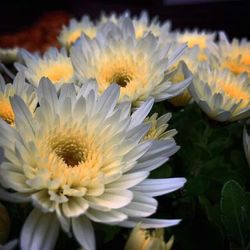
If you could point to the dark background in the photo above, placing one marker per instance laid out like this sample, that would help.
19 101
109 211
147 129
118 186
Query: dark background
231 16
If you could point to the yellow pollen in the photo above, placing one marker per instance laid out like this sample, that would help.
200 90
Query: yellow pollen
6 112
70 149
57 72
234 92
117 72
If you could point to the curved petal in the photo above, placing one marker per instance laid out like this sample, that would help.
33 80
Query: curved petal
149 223
39 231
84 232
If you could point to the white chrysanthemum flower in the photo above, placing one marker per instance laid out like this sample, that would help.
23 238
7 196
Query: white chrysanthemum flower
142 23
73 31
80 158
234 56
9 55
19 88
158 127
246 143
54 64
139 66
148 240
221 95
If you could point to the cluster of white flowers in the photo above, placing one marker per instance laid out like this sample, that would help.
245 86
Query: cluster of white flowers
76 139
75 133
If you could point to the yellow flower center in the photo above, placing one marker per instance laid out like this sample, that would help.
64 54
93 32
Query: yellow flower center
125 71
6 111
70 149
71 155
234 92
57 72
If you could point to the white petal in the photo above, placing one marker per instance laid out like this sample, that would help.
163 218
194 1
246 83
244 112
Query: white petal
113 198
84 232
13 197
141 206
128 180
150 164
108 217
140 114
149 223
48 91
108 100
23 117
156 187
75 207
39 231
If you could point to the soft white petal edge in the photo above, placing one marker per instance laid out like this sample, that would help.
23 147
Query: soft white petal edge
39 231
149 223
84 232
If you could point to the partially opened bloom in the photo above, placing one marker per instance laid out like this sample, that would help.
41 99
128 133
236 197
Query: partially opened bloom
141 239
73 31
139 66
221 95
246 143
158 127
81 157
54 64
234 56
19 88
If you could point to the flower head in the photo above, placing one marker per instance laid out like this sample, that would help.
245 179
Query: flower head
139 66
19 88
54 64
246 143
81 157
73 31
234 56
221 95
141 239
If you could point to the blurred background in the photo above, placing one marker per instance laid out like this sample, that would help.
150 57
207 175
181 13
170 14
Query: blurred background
35 24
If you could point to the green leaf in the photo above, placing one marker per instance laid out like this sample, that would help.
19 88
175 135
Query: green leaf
233 212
